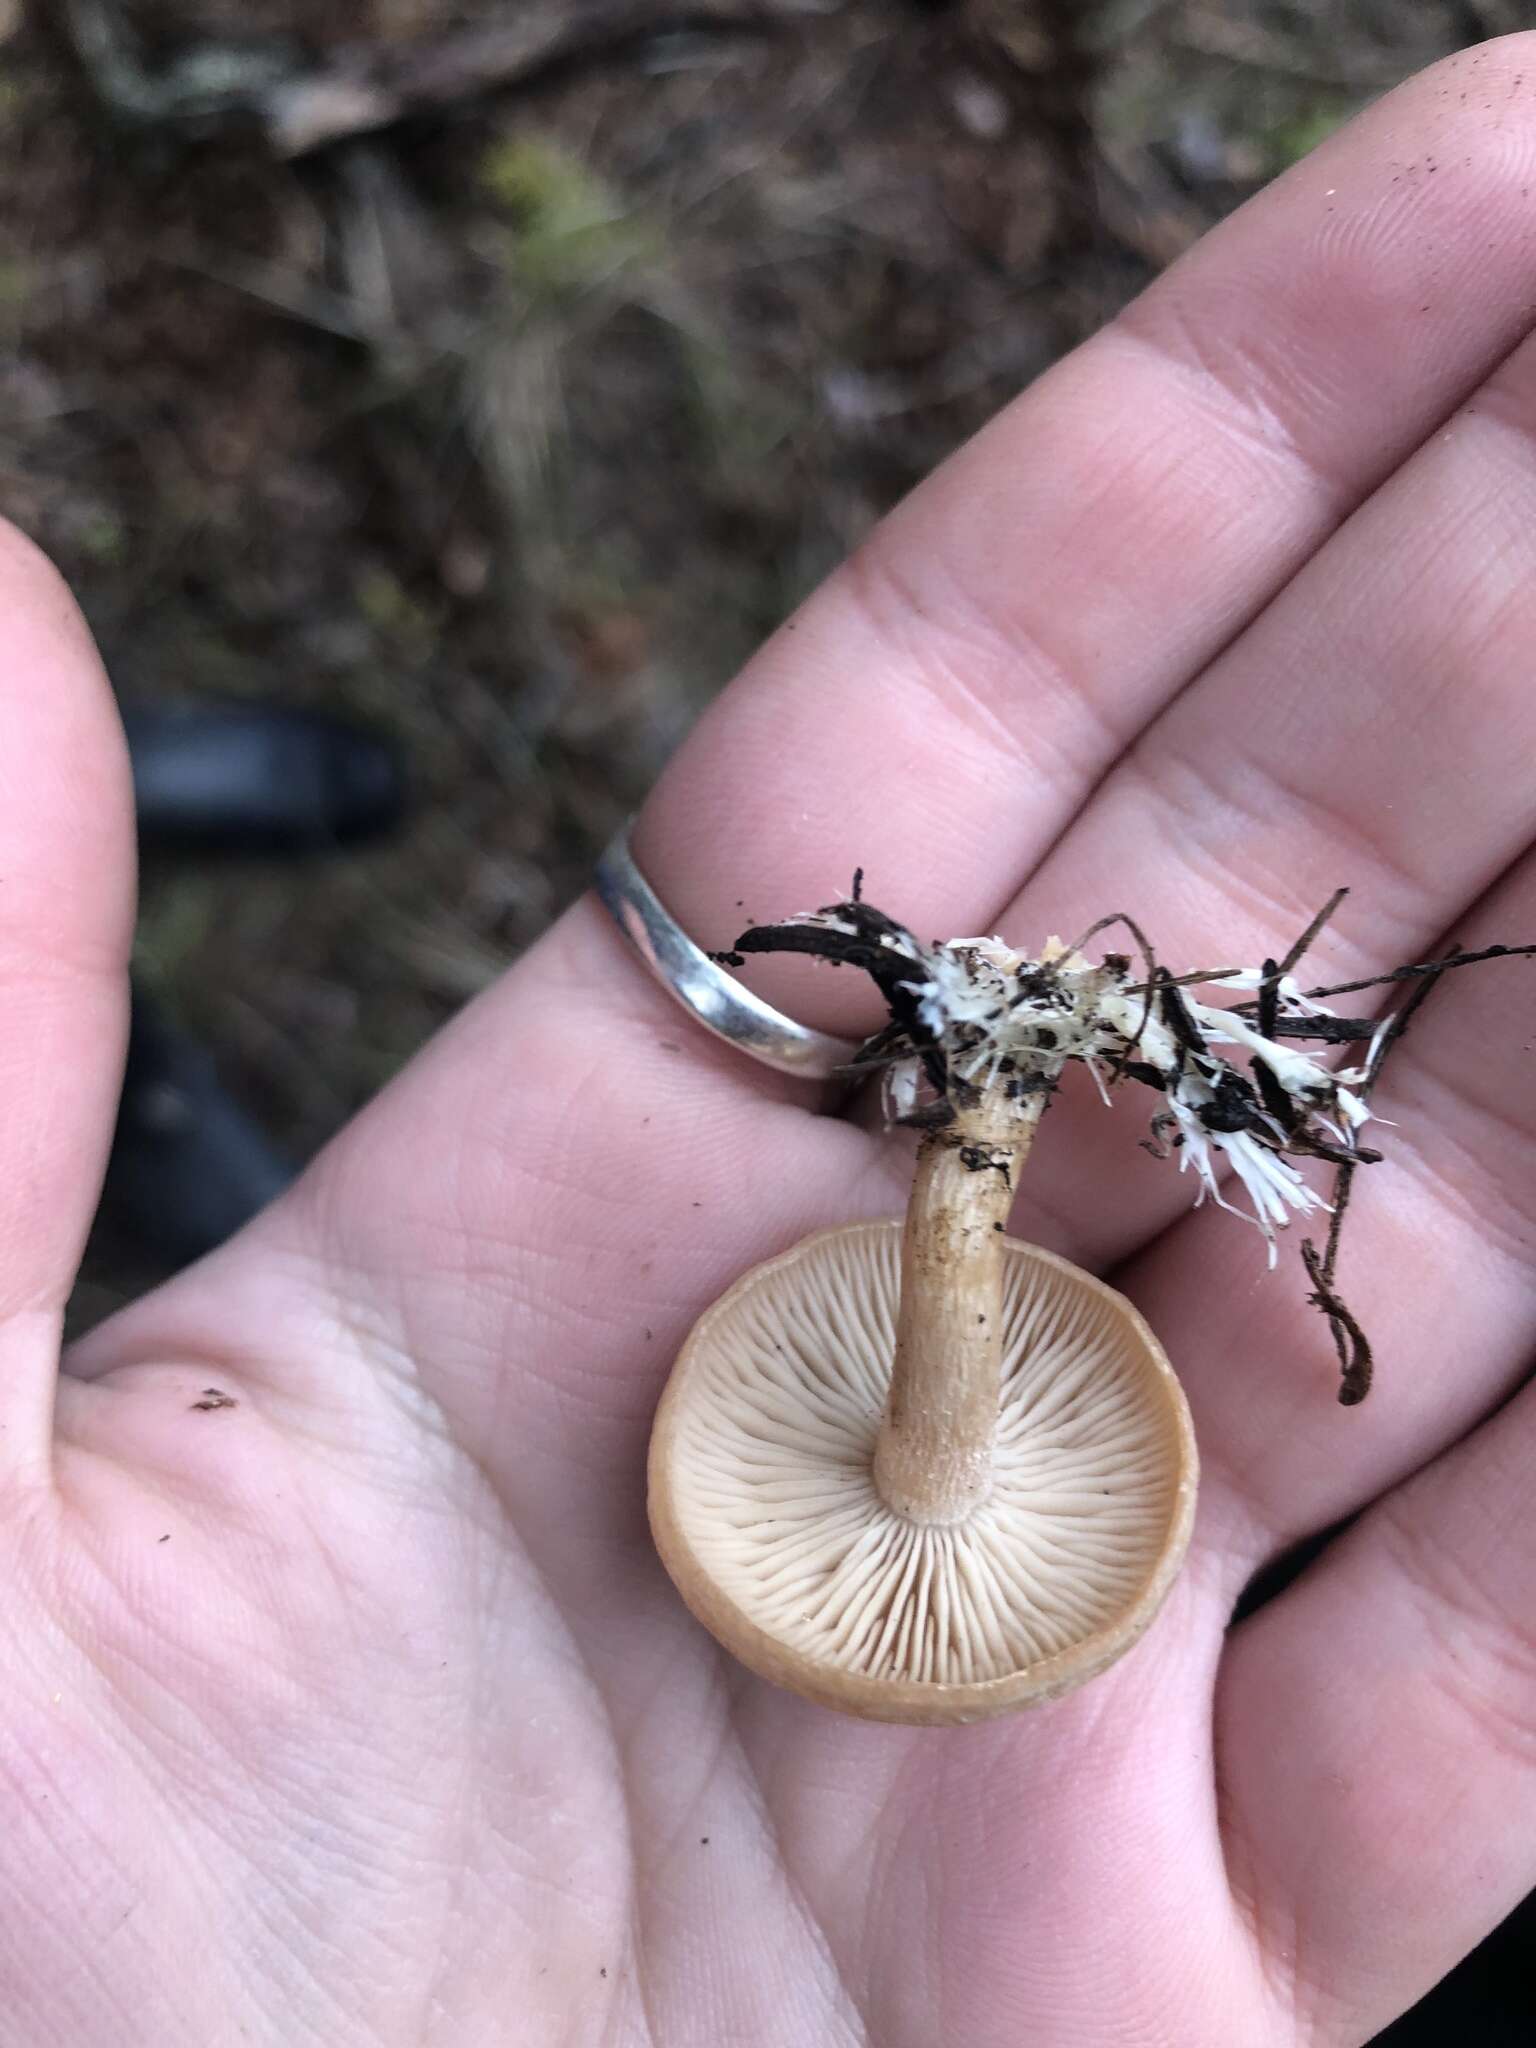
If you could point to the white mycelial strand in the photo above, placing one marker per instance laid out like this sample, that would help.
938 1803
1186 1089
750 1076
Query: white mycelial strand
1274 1187
982 1003
1251 980
1298 1075
899 1085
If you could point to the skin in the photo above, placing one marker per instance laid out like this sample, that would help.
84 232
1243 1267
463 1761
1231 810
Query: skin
360 1712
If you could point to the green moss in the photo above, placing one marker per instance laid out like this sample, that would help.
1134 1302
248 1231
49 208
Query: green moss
569 231
397 619
1287 141
15 284
176 915
102 539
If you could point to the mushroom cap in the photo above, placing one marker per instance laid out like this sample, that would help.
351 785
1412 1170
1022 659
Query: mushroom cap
764 1508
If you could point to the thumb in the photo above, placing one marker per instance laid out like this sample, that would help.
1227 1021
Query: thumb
66 920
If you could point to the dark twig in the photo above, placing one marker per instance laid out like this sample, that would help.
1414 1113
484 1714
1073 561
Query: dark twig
1269 998
1395 1030
1313 931
1273 972
894 972
1200 974
1156 977
888 1043
1271 1094
1176 1016
1355 1359
1103 924
1356 1365
1326 1030
1423 967
1274 1097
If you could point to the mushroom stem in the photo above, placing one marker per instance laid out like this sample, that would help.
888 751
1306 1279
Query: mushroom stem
933 1456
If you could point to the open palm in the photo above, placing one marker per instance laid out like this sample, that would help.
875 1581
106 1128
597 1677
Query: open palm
343 1698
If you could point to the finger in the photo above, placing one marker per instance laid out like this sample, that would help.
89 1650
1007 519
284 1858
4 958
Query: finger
1372 728
1035 1822
66 911
1377 1726
1438 1263
943 706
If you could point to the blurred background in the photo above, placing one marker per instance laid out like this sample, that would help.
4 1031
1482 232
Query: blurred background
496 375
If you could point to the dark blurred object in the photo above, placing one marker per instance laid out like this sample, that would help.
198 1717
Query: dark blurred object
1487 2000
259 780
188 1165
272 83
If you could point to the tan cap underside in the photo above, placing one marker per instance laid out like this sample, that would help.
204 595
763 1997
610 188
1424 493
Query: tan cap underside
765 1511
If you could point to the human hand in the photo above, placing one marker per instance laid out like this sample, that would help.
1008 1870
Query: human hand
356 1708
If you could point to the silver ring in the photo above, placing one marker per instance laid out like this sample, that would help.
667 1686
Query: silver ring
712 997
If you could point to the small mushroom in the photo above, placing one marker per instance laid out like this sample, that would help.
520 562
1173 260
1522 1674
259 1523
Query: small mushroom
920 1471
987 1574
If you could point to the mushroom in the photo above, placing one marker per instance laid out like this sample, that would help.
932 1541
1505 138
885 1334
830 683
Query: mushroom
920 1471
1004 1565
